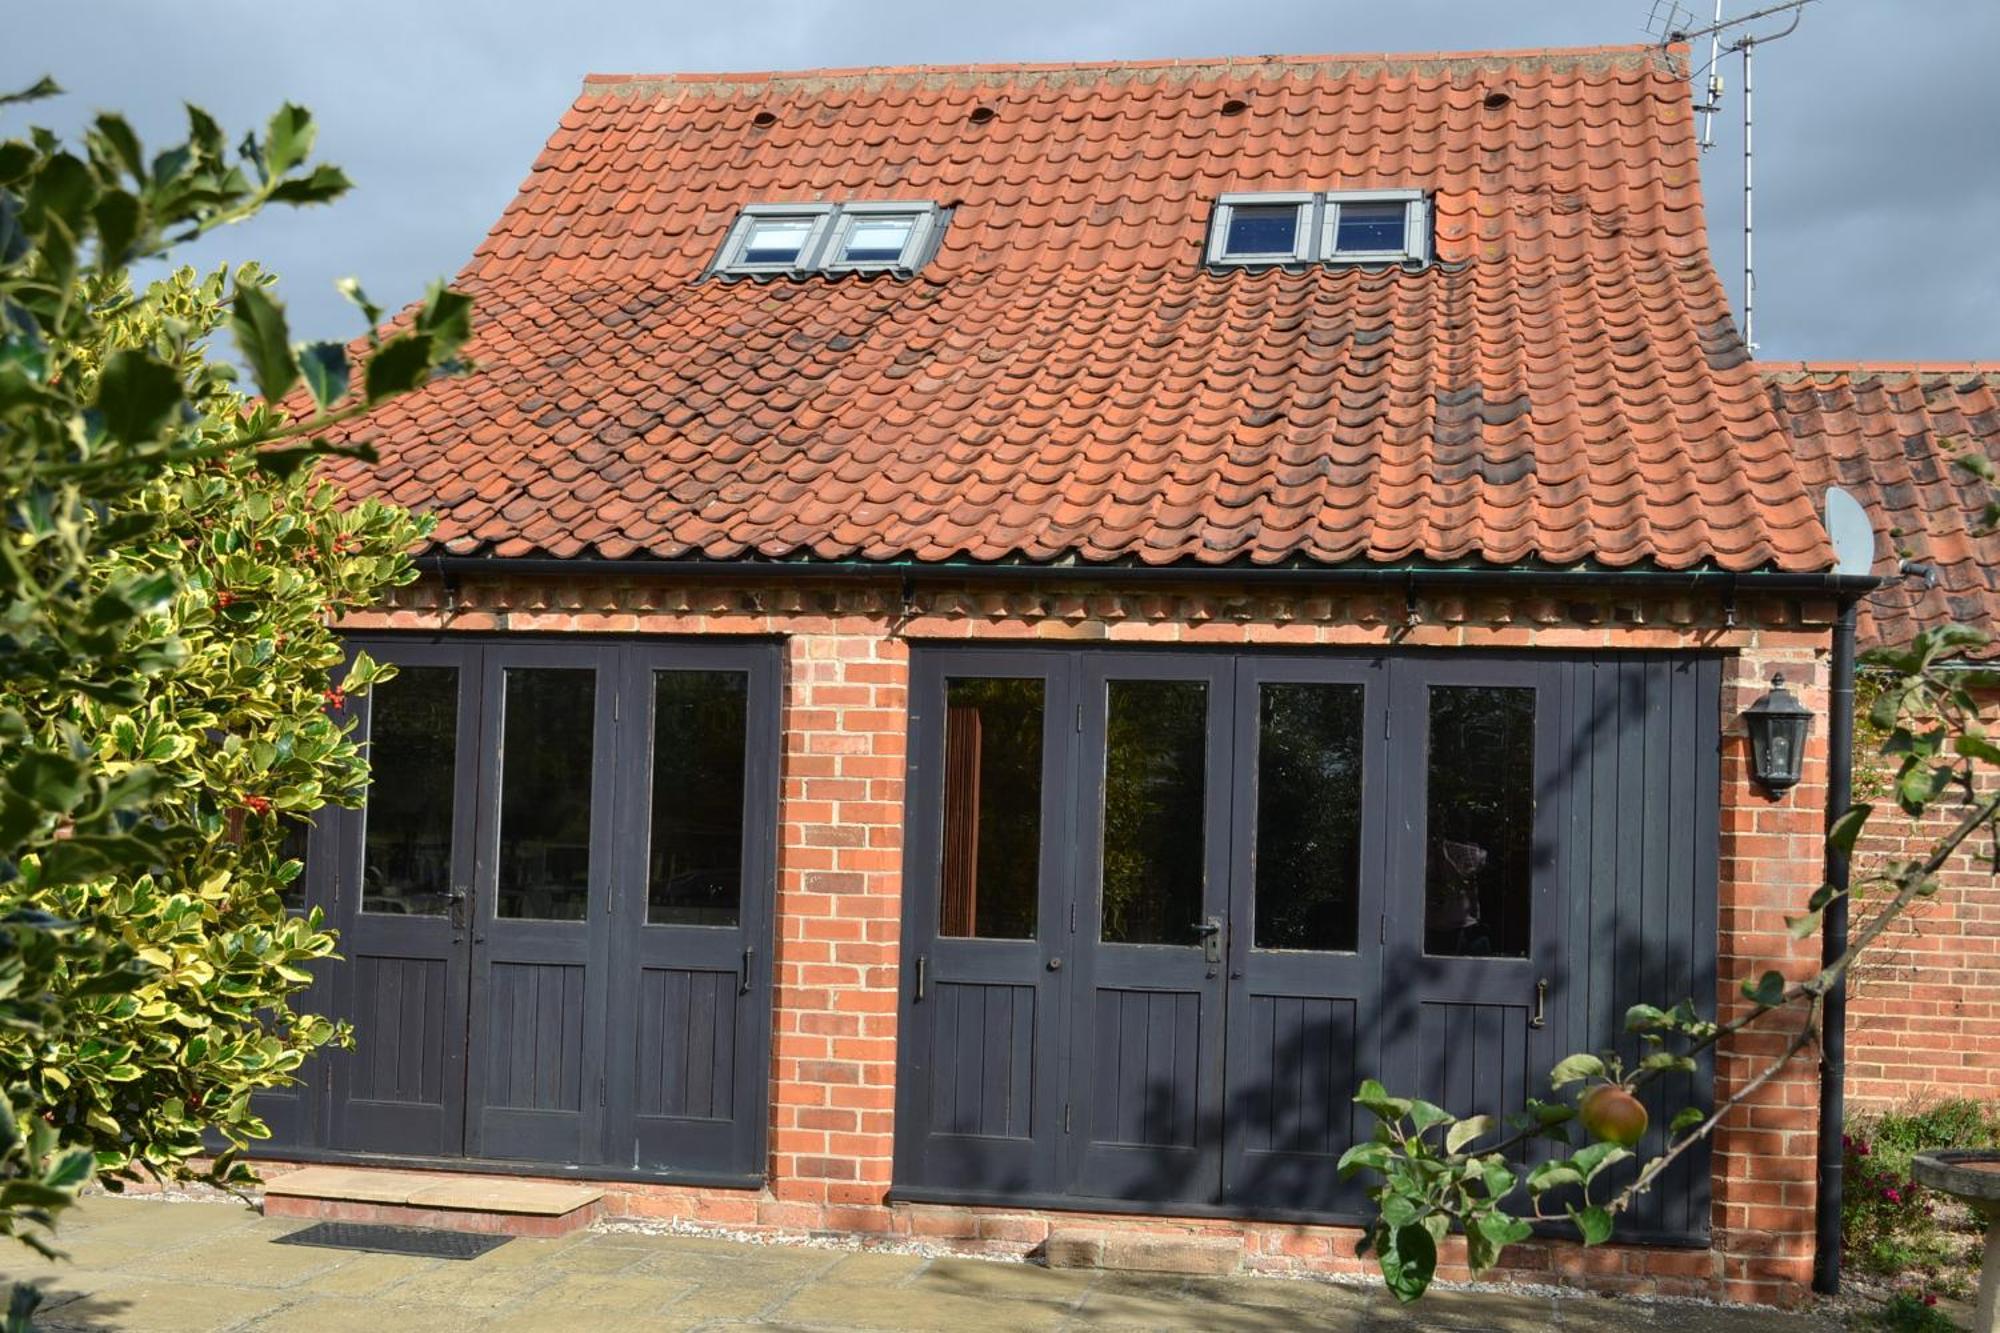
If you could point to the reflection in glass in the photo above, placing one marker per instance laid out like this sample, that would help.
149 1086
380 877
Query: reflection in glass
545 769
1262 229
1155 761
992 808
776 240
1479 821
293 848
1308 851
412 757
695 861
1364 227
878 240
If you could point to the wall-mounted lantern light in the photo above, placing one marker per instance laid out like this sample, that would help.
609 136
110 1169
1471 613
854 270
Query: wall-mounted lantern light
1778 724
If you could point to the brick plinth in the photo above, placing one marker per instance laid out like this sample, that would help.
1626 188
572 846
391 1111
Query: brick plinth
839 890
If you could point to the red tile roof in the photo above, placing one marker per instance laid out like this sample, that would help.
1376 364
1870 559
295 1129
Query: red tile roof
1888 433
1065 380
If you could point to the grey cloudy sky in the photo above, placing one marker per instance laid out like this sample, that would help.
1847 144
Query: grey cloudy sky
1878 123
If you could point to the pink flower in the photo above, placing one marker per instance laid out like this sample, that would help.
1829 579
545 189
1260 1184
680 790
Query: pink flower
1892 1194
1930 1298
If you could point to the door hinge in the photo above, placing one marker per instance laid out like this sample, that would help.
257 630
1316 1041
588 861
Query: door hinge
600 1090
1065 1117
1388 721
1079 717
1072 918
1382 929
617 706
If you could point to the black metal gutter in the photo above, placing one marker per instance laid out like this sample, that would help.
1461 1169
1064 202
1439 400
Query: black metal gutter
1833 943
451 567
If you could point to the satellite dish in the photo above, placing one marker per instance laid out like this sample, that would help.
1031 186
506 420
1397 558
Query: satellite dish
1852 532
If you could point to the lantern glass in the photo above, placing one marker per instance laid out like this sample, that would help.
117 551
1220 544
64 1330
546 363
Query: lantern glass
1778 724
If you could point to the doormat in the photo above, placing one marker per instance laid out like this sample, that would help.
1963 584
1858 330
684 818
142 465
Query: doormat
424 1242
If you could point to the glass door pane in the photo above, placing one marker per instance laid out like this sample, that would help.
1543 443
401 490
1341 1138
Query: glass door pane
695 860
1155 784
991 863
545 777
1307 877
1479 821
412 755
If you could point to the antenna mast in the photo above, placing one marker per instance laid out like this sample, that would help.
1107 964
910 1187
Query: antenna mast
1670 21
1709 107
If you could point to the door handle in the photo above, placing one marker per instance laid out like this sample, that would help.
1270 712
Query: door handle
1210 931
1541 1018
743 982
457 900
921 960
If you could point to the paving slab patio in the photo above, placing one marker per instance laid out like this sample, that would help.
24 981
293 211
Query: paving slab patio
153 1264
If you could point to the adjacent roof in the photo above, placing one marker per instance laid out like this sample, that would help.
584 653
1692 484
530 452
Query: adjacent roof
1889 433
1065 380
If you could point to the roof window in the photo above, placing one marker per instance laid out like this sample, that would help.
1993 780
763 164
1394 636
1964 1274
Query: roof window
1266 229
830 238
1338 227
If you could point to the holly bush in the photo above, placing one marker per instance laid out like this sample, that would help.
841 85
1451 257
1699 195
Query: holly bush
170 571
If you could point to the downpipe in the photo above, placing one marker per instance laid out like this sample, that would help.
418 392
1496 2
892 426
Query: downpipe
1833 943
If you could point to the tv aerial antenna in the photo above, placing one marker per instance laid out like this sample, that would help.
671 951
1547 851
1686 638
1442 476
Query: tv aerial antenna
1670 23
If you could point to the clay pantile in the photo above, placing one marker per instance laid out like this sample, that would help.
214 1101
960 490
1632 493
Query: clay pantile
1890 434
1066 380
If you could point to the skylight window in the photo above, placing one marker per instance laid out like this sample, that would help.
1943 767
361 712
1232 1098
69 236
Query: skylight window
853 237
776 240
877 240
1377 226
1262 229
880 235
1369 228
1338 227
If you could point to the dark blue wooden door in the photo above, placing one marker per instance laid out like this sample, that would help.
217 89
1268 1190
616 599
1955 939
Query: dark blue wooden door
1152 874
541 917
691 923
987 934
1164 913
1306 905
1472 920
402 870
556 909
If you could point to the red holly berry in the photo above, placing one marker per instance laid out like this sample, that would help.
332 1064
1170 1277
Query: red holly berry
257 804
225 598
337 697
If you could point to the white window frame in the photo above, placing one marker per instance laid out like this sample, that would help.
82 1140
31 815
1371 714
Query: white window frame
920 214
1416 228
730 258
1225 211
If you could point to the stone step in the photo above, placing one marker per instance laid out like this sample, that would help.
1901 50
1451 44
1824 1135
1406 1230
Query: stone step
1144 1252
489 1205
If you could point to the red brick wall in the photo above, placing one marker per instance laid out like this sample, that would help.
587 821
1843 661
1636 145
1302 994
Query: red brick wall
1766 1154
839 887
1924 1007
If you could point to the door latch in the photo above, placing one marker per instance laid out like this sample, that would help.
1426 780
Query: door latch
1541 1018
1210 931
